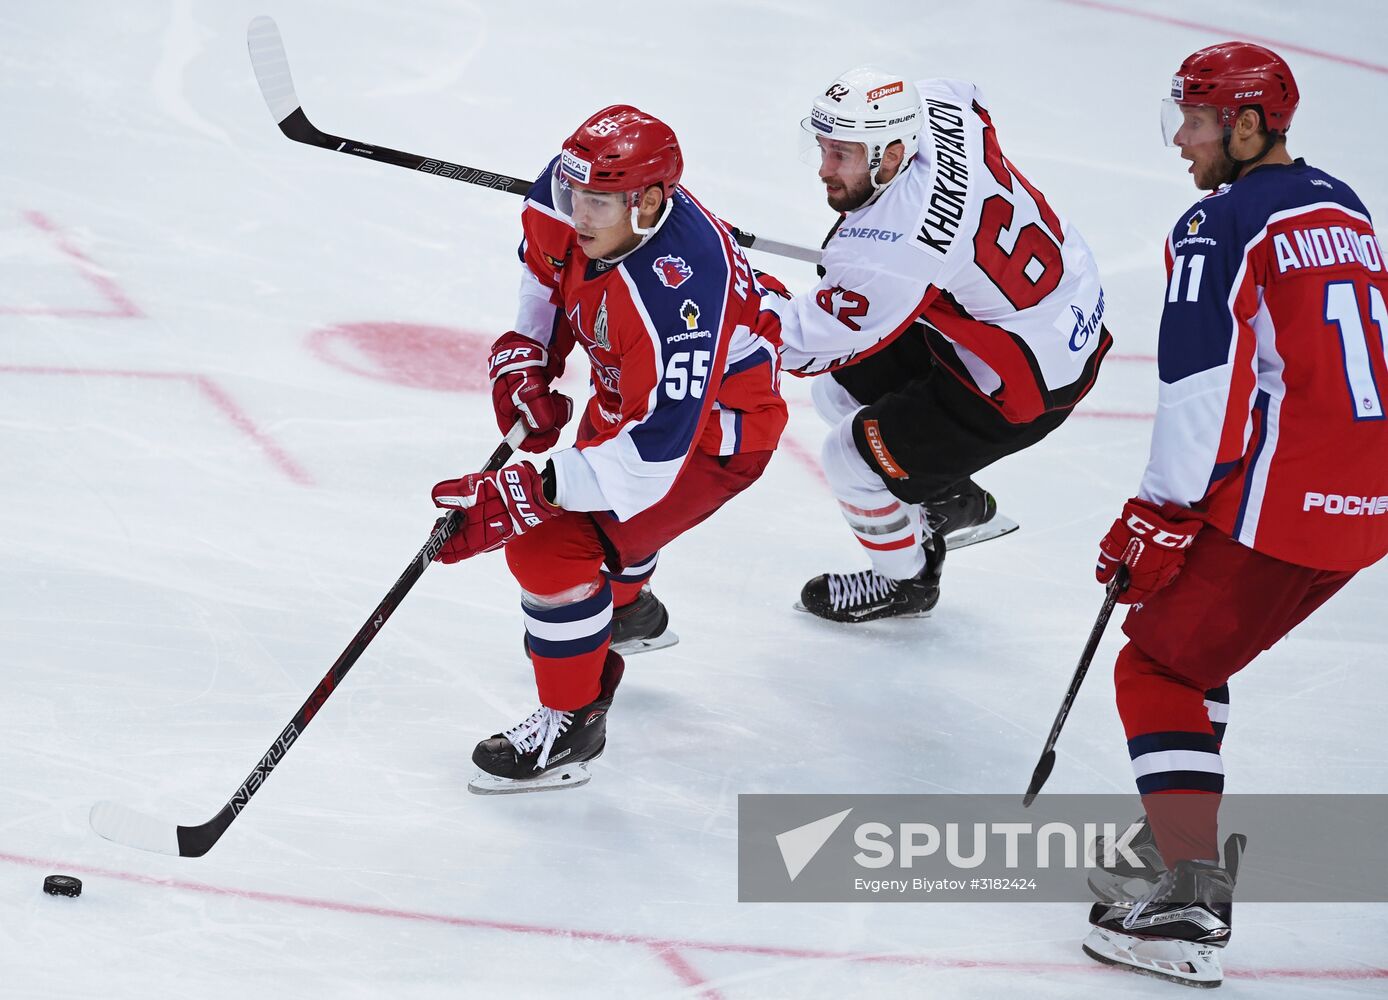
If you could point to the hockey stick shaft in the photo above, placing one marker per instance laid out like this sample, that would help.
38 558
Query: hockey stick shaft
118 823
271 66
1116 586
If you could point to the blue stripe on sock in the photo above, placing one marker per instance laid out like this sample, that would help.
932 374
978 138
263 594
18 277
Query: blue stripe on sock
568 647
575 612
1152 742
1194 781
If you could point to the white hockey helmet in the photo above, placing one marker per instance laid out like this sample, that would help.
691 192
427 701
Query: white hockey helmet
872 107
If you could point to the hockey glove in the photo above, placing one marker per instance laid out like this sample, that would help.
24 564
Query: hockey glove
1162 535
496 506
520 371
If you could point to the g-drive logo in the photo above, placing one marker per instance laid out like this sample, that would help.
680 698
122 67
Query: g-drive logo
1011 846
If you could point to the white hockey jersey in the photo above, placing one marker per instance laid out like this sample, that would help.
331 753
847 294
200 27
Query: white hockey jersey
1008 291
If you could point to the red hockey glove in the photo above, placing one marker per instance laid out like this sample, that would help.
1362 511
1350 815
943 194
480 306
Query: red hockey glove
495 506
1152 541
521 373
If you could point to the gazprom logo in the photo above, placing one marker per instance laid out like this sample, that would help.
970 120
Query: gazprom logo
1085 328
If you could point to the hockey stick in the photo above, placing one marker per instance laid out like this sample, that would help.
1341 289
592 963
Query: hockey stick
271 67
133 829
1116 586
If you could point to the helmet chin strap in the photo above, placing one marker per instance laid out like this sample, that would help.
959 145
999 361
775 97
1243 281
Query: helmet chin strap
645 234
648 233
1236 166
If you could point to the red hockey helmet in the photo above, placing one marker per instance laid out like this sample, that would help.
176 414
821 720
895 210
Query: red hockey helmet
623 149
1230 76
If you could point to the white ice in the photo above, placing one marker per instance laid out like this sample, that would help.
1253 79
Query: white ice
208 482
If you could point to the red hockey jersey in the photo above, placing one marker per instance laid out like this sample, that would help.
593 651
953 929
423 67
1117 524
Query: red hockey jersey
1273 372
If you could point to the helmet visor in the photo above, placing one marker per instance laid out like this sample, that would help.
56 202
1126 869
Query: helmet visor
1191 123
818 150
589 209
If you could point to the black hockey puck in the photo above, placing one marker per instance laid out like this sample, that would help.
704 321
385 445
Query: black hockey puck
62 885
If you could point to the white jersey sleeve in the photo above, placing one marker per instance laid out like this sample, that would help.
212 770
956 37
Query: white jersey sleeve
872 289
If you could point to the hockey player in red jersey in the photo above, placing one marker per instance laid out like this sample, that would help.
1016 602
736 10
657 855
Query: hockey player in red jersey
1267 485
958 320
684 414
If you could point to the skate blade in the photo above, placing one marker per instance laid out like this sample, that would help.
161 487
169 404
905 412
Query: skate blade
573 776
1183 962
634 646
984 532
894 618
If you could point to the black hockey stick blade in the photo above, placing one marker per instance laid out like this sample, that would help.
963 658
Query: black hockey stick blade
1116 586
271 66
124 825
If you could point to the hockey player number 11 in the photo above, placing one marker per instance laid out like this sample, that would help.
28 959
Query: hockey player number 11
1342 309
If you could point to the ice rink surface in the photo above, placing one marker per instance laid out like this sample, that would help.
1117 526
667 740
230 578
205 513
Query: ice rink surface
231 367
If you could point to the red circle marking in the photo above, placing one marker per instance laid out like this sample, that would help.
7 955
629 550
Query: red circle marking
409 354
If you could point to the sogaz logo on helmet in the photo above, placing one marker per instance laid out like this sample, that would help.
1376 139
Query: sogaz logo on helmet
1178 87
821 119
579 169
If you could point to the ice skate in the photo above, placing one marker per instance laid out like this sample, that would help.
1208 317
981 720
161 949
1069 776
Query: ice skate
867 595
1175 930
641 626
967 515
549 750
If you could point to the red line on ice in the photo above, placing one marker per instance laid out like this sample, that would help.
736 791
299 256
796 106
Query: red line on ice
121 306
660 945
210 390
1276 43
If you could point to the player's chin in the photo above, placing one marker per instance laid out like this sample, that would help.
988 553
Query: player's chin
844 201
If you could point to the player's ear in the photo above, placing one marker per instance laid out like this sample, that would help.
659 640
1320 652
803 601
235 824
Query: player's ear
1248 124
650 199
891 161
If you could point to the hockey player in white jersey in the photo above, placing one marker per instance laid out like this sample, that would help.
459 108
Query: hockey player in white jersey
958 320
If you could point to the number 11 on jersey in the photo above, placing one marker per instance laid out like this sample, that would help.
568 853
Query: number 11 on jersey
1342 309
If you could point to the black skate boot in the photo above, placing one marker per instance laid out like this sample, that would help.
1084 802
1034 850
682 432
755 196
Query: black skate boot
551 749
966 514
1174 931
642 625
867 595
1122 881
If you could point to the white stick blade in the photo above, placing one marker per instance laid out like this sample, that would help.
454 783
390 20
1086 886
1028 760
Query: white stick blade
271 67
123 825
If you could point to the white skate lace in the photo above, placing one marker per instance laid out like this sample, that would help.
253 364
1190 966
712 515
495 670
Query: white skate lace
863 587
1157 894
539 731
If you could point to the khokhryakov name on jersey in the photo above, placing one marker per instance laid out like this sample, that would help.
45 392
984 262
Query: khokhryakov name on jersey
1008 290
1272 342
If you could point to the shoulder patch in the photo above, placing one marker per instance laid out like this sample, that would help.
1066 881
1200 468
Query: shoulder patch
672 271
